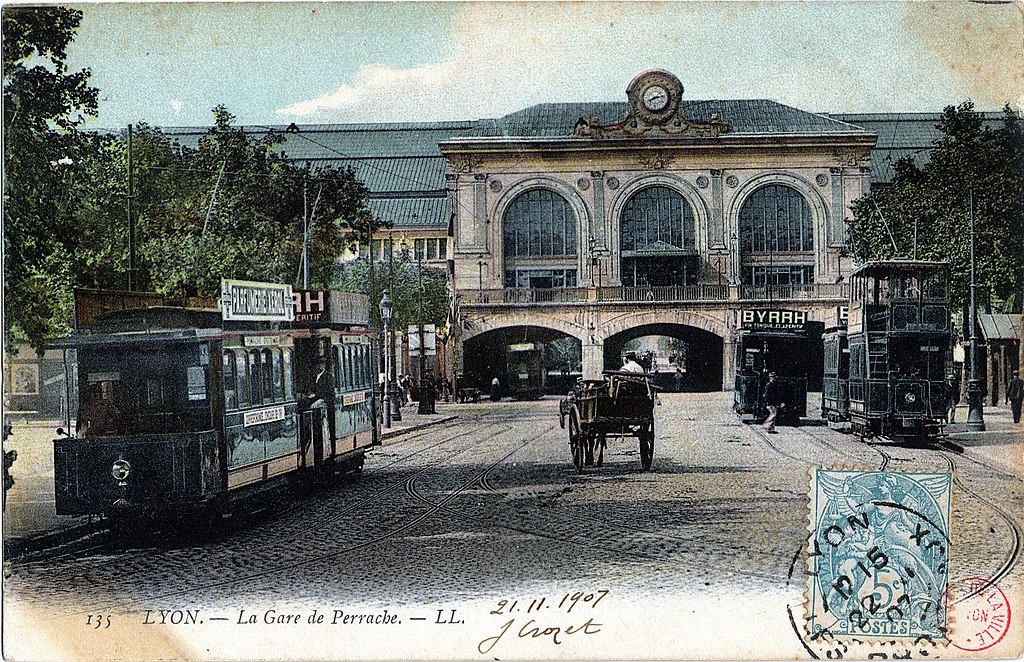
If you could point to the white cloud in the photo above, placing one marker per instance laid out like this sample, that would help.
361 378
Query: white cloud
507 56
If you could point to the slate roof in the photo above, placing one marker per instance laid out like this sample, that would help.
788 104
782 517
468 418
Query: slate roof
745 116
401 163
902 135
999 327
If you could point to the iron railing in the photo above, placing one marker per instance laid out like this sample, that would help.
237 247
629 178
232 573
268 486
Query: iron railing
674 293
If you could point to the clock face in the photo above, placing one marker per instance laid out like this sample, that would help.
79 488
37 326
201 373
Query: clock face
655 98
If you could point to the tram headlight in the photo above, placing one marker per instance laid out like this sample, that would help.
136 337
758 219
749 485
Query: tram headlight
120 471
910 398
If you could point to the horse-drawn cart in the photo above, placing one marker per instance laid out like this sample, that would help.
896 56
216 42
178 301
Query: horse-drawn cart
622 404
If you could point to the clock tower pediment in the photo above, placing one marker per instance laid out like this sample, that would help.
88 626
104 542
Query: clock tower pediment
654 96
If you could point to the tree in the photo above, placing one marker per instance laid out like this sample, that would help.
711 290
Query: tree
410 289
237 208
926 211
44 147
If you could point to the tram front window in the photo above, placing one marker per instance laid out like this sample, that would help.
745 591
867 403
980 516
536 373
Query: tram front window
126 392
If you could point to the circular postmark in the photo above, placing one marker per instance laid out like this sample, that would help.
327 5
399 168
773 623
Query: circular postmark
981 614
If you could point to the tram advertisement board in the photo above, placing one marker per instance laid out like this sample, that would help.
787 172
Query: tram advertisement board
771 319
250 301
311 306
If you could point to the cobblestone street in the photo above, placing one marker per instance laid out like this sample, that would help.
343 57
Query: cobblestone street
488 507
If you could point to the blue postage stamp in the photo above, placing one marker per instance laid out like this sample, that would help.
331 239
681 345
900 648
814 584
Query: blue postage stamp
878 554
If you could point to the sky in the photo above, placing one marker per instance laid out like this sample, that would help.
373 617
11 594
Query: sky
277 63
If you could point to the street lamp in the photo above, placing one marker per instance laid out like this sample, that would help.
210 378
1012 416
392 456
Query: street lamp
391 411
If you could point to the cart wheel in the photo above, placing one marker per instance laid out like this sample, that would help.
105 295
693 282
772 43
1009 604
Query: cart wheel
576 440
647 447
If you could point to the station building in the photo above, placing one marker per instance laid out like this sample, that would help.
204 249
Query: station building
596 223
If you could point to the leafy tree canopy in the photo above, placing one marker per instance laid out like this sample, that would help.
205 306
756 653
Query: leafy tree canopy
44 106
926 211
417 293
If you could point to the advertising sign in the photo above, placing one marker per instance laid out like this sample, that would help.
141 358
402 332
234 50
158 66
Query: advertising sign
311 306
250 301
429 340
779 320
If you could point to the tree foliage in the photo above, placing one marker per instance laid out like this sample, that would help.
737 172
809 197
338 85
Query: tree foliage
417 293
228 205
44 107
926 211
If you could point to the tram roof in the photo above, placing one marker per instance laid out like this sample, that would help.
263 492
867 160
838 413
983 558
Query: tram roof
883 267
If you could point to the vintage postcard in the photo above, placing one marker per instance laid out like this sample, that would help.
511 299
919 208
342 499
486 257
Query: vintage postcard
554 330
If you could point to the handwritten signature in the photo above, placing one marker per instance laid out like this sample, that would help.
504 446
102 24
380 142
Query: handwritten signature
530 630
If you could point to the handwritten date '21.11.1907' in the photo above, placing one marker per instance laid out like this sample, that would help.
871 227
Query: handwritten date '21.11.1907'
541 618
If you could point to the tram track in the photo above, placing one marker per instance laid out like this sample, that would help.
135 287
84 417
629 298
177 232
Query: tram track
599 533
484 435
102 541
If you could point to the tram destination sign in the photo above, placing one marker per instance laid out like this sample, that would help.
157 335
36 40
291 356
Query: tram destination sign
773 319
249 301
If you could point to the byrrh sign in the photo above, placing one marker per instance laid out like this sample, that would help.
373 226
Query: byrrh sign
250 301
782 320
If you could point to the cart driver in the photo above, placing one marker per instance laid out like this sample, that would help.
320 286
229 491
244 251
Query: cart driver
630 364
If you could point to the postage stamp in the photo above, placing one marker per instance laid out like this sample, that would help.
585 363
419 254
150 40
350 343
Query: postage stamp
878 554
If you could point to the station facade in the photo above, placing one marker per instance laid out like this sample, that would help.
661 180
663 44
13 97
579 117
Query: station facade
657 214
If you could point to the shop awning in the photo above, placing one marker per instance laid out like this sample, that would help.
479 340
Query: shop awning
999 327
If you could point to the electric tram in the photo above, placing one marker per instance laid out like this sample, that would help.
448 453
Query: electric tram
899 339
776 341
186 409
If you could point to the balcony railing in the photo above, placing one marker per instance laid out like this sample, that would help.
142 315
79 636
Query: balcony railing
675 293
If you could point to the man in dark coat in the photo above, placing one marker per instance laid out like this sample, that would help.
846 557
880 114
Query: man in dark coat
1015 394
772 398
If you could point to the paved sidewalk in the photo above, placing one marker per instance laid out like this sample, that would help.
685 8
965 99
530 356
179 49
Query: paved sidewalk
30 519
1001 444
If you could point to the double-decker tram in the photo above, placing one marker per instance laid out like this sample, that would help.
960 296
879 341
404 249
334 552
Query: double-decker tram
835 393
183 410
899 338
783 342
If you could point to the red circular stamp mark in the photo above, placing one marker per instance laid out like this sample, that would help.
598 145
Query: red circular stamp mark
980 611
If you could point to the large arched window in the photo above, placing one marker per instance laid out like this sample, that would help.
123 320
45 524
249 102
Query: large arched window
540 241
658 239
777 237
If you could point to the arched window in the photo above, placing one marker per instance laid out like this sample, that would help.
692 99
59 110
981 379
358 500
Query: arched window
658 239
657 214
777 237
540 241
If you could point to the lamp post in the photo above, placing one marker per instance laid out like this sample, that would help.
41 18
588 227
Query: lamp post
975 415
391 411
385 316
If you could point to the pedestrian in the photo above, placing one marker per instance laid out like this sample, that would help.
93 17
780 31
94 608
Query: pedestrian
772 398
323 395
678 379
952 397
495 389
1015 394
630 364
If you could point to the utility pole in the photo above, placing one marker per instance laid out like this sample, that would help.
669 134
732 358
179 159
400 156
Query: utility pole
975 415
305 240
426 403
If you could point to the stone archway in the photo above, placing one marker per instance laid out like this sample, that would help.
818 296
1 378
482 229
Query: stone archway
486 355
692 353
